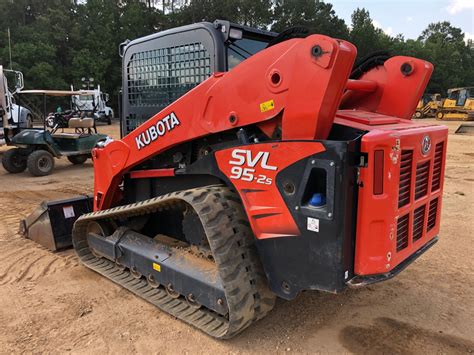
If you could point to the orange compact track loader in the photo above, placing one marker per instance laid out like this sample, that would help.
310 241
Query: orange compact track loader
253 166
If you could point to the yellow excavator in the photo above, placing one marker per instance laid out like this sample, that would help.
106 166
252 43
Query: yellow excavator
459 105
428 105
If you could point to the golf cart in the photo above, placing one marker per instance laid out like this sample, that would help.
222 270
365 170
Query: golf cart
36 148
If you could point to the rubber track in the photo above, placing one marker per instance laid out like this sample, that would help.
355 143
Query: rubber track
231 241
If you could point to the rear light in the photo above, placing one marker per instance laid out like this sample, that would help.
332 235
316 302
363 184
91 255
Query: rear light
378 172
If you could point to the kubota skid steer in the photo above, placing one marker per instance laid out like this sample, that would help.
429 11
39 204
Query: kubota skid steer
285 173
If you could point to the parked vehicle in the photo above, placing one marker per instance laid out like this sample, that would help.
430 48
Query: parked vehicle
94 101
14 117
36 148
428 105
459 105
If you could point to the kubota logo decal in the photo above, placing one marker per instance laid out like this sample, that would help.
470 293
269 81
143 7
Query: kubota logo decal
242 157
159 129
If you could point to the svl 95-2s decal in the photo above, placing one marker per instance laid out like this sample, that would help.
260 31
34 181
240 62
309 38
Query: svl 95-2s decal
243 157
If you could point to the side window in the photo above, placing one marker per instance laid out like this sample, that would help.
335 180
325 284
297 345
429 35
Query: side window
462 97
453 95
241 49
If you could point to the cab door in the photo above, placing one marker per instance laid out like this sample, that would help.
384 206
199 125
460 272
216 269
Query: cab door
461 98
4 97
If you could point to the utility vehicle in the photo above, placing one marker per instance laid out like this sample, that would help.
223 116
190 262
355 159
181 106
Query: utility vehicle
36 148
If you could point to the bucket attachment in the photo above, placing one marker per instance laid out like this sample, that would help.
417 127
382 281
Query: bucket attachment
465 128
51 223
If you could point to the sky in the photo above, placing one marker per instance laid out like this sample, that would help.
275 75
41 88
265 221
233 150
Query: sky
410 18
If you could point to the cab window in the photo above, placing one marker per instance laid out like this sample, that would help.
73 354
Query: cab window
241 49
461 100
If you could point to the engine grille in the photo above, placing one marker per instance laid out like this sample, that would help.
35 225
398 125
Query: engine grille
421 182
418 199
402 232
418 222
404 190
432 213
438 162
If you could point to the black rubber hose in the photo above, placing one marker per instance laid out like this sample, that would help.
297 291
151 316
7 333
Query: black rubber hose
368 62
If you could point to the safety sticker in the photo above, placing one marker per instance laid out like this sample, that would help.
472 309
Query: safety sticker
68 212
313 224
157 267
267 106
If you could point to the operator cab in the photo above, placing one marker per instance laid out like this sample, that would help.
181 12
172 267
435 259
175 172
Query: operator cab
460 95
160 68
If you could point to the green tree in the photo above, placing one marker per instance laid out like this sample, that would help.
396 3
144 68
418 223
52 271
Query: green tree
365 36
317 16
247 12
444 46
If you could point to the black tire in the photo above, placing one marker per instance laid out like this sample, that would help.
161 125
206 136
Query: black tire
439 115
14 161
109 119
77 159
418 114
40 163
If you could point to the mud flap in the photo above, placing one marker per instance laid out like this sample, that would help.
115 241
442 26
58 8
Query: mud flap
50 224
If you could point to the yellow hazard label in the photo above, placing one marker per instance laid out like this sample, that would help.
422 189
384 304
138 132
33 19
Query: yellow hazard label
267 106
157 267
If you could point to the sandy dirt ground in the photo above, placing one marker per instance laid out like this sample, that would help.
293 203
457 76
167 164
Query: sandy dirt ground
50 303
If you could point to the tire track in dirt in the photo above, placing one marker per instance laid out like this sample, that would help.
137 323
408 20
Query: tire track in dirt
29 261
21 272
